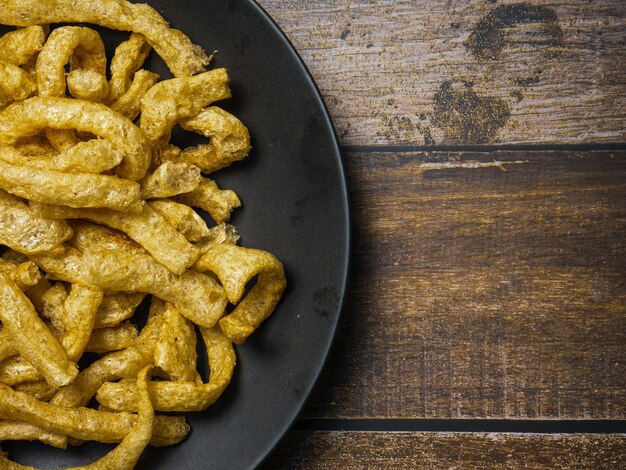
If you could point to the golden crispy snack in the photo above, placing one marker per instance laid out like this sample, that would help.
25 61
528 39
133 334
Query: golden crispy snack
92 156
169 101
61 139
24 275
87 85
129 104
170 179
125 455
175 350
19 46
179 396
219 203
53 305
128 58
113 338
15 83
197 296
20 431
81 190
28 117
235 266
183 218
79 315
22 230
16 370
31 337
117 307
229 141
35 146
181 56
41 389
82 48
85 423
6 348
221 233
36 292
148 228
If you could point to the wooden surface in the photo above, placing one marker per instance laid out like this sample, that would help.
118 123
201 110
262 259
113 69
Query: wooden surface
485 148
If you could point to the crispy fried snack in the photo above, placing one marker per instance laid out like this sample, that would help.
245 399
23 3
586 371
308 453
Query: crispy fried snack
229 141
183 218
128 58
170 179
181 56
31 337
235 267
148 228
219 203
20 431
129 104
28 117
19 46
15 83
24 275
114 338
180 396
117 307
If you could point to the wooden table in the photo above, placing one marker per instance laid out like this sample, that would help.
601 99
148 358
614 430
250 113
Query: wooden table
485 148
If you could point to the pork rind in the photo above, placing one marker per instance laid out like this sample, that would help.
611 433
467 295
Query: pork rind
170 179
183 218
19 46
28 117
117 307
128 58
129 104
114 338
219 203
15 83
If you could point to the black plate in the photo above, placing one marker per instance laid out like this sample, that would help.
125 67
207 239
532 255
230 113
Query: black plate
295 205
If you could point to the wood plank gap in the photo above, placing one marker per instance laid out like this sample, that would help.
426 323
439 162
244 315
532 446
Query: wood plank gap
480 148
541 426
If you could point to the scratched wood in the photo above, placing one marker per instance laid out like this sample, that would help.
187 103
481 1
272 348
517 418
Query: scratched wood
484 284
321 450
465 71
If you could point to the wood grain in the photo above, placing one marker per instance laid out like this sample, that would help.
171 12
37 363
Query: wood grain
313 450
484 284
442 72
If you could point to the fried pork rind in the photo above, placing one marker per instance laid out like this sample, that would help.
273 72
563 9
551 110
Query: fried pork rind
129 104
125 456
148 228
81 190
22 230
24 275
179 396
117 307
219 203
31 337
15 83
92 156
170 179
197 296
20 431
181 56
28 117
229 141
162 107
85 423
183 218
41 389
235 266
83 49
175 351
104 340
128 58
19 46
79 311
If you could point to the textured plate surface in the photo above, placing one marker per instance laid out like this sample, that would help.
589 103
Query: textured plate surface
294 205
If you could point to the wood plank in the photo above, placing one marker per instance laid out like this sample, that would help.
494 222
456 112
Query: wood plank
484 285
312 450
465 71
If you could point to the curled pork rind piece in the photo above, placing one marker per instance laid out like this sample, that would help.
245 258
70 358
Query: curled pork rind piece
29 117
86 50
85 423
128 58
92 156
148 228
170 101
74 190
30 336
235 266
23 231
125 455
229 141
79 315
114 338
19 46
129 104
219 203
170 179
117 307
179 396
183 218
21 431
15 83
181 56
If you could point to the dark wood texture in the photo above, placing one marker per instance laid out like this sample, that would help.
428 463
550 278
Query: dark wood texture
485 284
342 450
465 71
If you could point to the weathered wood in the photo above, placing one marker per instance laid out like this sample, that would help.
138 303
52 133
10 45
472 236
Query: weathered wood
465 71
313 450
484 285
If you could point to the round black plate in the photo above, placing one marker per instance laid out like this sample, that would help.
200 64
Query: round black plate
295 206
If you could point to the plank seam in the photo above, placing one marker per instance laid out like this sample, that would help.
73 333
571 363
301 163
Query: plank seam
481 148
